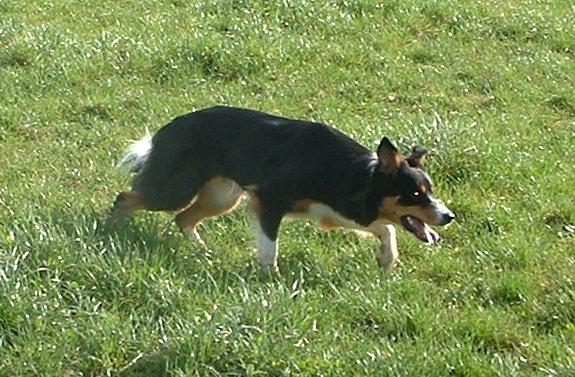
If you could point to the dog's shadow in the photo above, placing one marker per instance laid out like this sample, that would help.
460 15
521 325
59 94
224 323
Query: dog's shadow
147 365
154 238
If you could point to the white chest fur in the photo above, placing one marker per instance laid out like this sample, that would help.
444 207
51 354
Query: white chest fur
327 218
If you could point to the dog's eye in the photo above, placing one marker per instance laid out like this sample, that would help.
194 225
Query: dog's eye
416 194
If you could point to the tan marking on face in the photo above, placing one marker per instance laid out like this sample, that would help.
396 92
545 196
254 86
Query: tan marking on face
423 189
392 211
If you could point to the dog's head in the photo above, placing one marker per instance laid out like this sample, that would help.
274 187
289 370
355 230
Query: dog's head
407 195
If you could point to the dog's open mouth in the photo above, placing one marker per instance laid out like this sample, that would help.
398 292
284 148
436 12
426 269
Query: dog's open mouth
421 230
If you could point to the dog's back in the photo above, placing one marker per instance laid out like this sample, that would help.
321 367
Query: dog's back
249 147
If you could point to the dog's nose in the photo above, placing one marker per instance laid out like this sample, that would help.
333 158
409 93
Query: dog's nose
447 218
443 214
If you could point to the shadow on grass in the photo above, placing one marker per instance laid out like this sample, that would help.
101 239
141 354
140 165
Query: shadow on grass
150 365
91 227
167 362
153 243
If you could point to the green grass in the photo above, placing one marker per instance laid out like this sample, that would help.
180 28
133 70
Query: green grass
79 80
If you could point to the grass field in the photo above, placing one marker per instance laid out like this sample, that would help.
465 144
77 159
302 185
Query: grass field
80 80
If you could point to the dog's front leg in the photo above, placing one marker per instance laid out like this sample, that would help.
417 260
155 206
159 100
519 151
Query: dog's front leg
267 251
267 231
388 254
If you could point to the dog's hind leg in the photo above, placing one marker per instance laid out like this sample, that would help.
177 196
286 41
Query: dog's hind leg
126 202
217 197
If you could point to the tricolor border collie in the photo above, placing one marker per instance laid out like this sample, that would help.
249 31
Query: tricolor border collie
201 165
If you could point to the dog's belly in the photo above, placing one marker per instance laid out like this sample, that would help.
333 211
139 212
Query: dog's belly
326 217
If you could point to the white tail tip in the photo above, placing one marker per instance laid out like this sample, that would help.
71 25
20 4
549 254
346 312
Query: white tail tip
136 154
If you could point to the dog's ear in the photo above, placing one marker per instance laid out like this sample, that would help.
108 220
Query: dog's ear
417 157
389 157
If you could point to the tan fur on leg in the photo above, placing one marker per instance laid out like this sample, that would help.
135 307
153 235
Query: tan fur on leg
126 203
217 197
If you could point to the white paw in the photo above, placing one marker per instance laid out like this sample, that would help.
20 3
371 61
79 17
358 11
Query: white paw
387 261
193 235
269 270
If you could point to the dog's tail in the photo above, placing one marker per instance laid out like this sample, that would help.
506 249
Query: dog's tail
137 154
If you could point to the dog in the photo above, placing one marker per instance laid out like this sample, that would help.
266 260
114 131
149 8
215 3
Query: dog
201 165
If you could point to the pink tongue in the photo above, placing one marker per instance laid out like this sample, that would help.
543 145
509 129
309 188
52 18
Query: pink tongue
424 231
